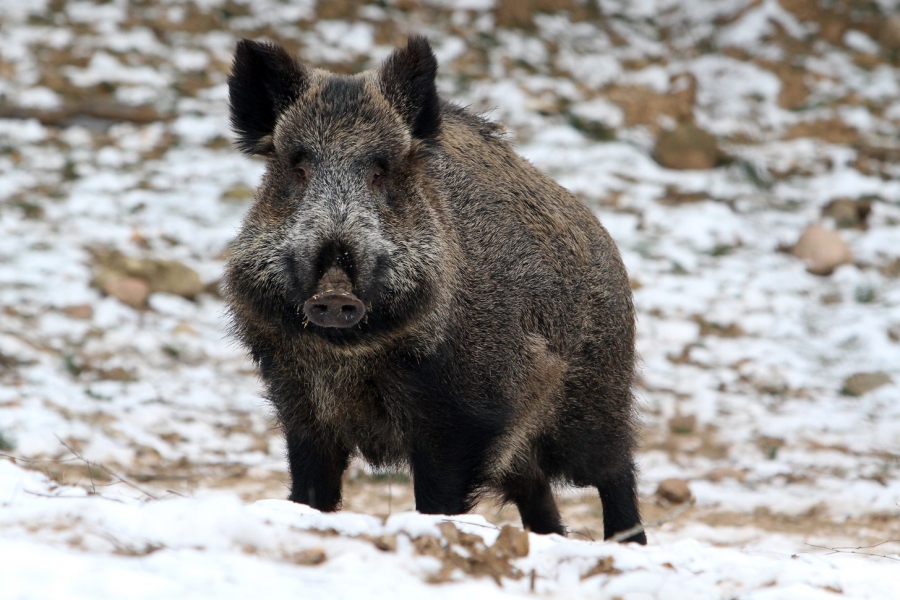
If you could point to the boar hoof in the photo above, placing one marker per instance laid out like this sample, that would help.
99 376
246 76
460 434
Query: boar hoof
334 309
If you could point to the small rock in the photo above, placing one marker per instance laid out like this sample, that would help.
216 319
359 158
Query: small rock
315 556
848 213
674 491
385 543
128 290
79 311
167 276
185 328
687 147
863 383
893 333
683 424
843 211
115 374
822 250
160 275
717 475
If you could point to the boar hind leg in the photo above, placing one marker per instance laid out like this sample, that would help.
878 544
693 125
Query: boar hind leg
536 505
618 493
316 472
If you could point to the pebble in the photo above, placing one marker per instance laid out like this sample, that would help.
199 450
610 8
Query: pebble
79 311
674 491
863 383
848 213
683 424
128 290
822 250
687 147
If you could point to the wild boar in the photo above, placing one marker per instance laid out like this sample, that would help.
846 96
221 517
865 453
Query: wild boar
416 293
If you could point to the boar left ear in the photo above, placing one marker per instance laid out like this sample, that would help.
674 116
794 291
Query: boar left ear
407 79
265 80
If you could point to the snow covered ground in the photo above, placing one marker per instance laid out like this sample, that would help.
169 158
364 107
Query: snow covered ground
61 542
114 139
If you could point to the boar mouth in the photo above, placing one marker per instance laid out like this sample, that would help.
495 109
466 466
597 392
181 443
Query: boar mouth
334 304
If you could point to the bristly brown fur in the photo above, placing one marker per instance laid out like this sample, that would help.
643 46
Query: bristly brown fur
497 349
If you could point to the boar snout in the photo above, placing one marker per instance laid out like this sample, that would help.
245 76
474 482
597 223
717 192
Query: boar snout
334 304
334 309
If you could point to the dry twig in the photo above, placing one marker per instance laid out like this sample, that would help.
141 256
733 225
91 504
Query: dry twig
468 523
37 460
59 497
106 470
856 550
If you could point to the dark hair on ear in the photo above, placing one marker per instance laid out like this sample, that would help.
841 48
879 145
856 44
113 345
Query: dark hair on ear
265 80
408 82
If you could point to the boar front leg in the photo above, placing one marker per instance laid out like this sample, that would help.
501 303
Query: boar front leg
618 494
441 488
317 468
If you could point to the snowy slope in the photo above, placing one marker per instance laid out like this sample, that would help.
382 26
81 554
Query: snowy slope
62 542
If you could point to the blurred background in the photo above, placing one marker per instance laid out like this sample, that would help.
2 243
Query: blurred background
743 154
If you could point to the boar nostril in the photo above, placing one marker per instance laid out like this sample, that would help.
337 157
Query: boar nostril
334 309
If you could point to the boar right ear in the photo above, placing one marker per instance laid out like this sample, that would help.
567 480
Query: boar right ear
265 80
407 80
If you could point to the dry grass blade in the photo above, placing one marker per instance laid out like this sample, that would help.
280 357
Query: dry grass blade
624 535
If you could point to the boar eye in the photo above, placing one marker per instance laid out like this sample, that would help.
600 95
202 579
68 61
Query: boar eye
377 178
302 173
